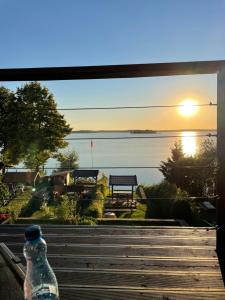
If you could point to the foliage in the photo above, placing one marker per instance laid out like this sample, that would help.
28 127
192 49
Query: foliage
32 129
33 205
85 221
45 212
139 213
68 160
95 209
92 207
16 206
103 185
4 193
161 198
34 159
163 189
165 200
64 209
195 179
183 209
7 130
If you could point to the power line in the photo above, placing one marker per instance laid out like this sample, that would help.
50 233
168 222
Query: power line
128 137
115 167
117 107
137 107
139 137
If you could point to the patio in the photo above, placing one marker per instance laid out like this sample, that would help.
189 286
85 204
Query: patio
119 262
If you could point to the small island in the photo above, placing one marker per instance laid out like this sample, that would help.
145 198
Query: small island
143 131
129 130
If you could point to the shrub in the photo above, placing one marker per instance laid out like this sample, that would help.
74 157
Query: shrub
16 206
63 211
183 209
160 199
45 212
95 209
35 203
160 208
103 185
86 221
4 193
161 190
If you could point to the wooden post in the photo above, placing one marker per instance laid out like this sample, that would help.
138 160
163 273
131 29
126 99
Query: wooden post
220 244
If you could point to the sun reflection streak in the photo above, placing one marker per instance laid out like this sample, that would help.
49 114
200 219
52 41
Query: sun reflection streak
189 143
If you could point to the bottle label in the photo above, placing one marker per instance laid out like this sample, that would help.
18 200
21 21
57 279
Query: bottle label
47 296
45 293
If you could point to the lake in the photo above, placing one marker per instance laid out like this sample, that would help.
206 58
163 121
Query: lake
134 152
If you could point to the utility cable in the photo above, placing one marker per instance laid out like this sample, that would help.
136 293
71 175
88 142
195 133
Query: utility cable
211 104
140 137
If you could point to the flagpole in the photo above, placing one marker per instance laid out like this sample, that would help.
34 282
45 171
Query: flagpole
92 164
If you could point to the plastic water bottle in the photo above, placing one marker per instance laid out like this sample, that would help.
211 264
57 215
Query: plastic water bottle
40 281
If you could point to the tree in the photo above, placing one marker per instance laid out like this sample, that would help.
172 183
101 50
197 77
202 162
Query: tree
192 174
68 160
32 129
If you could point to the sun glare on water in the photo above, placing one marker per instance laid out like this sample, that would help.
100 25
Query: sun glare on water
188 108
189 143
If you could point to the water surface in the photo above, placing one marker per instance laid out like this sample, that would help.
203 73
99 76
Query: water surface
131 152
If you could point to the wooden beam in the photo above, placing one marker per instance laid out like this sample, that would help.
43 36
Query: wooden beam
221 159
111 71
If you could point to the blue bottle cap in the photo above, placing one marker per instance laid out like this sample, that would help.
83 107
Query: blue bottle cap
33 232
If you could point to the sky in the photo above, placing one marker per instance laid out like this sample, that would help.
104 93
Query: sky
49 33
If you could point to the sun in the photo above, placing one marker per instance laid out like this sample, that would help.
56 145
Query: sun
188 108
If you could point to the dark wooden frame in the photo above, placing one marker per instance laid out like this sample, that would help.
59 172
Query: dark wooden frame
148 70
112 71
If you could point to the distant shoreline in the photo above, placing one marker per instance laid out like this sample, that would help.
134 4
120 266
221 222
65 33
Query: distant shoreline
137 131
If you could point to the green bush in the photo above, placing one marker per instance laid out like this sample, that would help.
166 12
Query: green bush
91 207
45 212
33 205
15 207
4 193
183 209
161 198
161 190
86 221
95 209
103 185
63 211
96 206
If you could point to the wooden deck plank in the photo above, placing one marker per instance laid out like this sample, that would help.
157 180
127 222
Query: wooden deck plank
108 239
124 250
111 263
146 280
117 230
77 293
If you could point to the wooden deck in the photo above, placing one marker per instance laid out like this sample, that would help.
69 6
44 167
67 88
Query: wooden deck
127 262
11 277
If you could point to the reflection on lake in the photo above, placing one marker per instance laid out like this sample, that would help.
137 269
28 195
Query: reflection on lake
189 143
